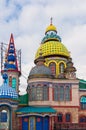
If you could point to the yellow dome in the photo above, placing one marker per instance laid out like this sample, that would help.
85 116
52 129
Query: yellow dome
51 27
52 48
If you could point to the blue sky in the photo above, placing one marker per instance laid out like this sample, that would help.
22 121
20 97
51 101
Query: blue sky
28 19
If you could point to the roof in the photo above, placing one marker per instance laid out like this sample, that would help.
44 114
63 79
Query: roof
8 92
40 71
33 109
23 99
51 27
52 48
82 85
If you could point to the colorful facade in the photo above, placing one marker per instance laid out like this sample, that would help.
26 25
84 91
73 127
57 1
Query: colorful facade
55 96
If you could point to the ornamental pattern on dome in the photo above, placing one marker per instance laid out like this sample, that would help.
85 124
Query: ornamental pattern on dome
7 91
50 36
51 44
52 48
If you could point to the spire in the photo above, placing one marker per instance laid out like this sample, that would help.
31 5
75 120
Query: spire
51 27
11 38
51 20
11 60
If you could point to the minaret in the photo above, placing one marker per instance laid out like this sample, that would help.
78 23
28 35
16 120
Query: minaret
11 65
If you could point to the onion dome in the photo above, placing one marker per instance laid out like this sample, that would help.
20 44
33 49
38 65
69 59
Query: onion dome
51 44
51 27
6 91
40 70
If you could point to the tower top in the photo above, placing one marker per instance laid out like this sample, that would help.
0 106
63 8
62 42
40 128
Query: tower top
51 19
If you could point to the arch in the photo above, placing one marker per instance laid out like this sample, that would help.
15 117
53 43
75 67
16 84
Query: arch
5 117
53 61
61 67
83 102
52 67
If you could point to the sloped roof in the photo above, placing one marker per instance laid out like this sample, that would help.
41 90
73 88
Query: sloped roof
33 109
23 99
82 84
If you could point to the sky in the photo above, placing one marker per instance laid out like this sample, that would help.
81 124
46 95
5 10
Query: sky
28 19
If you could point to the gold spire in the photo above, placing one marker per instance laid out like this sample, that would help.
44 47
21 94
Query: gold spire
51 27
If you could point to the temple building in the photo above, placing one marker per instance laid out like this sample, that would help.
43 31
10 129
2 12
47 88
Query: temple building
55 98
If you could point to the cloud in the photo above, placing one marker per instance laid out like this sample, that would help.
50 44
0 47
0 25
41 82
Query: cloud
28 19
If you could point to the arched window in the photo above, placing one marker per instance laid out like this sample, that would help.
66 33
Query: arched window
39 95
14 83
68 117
56 93
82 119
32 94
60 117
61 93
67 93
61 68
3 116
83 102
52 66
45 92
